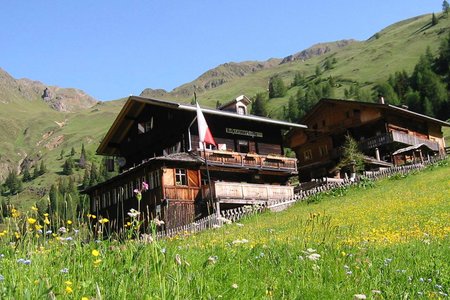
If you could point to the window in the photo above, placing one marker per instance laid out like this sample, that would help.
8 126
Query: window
243 146
323 150
144 127
307 155
180 177
241 110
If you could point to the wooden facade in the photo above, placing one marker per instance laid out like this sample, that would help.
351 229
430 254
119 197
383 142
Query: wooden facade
379 128
156 141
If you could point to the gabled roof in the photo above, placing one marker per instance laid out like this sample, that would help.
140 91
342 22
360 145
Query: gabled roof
411 148
386 107
134 106
242 98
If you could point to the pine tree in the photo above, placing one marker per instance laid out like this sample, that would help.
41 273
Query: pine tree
94 176
61 154
445 7
13 183
82 160
35 172
72 152
42 168
434 20
86 177
259 105
26 176
292 111
68 167
276 87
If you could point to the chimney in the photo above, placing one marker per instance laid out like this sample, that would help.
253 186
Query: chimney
381 99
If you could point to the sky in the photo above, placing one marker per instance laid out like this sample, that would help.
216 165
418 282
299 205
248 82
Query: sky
112 49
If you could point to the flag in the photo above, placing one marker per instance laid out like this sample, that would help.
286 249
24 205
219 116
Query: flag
203 130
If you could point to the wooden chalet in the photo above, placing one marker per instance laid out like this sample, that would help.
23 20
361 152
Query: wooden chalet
381 130
156 141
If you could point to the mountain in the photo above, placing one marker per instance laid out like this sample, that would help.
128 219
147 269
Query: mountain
40 126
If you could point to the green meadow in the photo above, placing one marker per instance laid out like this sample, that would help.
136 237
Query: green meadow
387 239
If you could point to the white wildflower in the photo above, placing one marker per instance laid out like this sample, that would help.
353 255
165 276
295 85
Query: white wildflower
234 286
314 256
359 297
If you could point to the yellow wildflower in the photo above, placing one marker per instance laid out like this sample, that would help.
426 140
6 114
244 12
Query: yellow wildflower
95 253
34 208
31 221
97 262
46 215
15 213
68 282
84 298
69 222
103 221
38 226
17 235
68 290
47 221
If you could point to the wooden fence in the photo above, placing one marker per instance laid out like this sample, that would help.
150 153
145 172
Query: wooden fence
235 214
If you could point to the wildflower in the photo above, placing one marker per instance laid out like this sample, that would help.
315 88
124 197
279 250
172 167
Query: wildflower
163 250
234 286
314 256
2 278
62 229
144 186
68 290
15 213
64 270
97 262
48 232
17 235
69 238
34 208
376 292
103 220
212 259
359 297
24 261
95 253
178 259
31 221
68 282
311 250
47 221
387 261
133 213
158 222
69 222
46 215
84 298
37 227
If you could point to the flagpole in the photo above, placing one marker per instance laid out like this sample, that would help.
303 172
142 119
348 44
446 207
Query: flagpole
209 180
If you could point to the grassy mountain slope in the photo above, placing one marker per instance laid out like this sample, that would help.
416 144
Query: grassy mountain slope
394 48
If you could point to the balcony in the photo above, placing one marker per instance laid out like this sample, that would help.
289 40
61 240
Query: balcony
250 160
396 136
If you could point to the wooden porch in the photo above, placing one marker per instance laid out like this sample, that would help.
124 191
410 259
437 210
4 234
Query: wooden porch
247 193
396 136
250 160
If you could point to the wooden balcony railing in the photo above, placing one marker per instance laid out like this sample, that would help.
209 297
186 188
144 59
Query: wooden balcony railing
180 192
250 160
396 136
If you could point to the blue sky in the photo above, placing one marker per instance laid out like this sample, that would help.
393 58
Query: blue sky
111 49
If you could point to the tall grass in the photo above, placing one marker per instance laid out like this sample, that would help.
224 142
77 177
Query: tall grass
389 240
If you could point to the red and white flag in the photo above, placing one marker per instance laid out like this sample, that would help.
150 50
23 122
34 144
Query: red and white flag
203 130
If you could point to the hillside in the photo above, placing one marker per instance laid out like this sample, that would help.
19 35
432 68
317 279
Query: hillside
36 128
382 240
395 48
